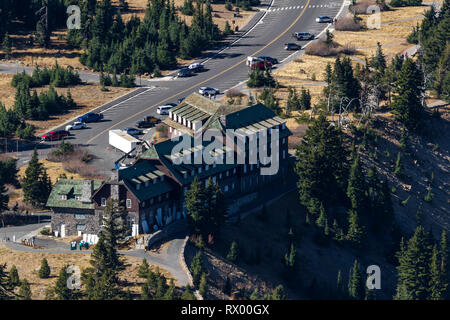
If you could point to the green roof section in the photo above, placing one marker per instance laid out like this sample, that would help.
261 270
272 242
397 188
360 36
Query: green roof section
70 188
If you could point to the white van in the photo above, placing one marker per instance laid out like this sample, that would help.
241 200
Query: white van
162 110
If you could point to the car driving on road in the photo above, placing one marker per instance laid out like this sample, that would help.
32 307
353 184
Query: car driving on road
292 46
54 135
324 19
208 91
76 126
90 117
303 36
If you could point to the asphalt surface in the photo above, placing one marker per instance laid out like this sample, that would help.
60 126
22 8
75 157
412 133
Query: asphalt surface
223 71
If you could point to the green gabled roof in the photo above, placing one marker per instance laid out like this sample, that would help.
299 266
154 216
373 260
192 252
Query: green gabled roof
153 190
150 153
64 186
204 104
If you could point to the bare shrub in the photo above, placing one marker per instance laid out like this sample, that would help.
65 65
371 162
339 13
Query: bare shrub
81 168
320 48
79 153
233 92
348 24
348 49
361 6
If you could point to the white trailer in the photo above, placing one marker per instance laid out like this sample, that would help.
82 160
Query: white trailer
122 140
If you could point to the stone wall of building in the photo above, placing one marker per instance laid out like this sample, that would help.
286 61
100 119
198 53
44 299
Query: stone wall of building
74 220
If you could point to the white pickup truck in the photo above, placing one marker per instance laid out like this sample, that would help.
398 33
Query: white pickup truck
121 140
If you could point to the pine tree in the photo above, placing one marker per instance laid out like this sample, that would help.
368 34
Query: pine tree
398 171
414 267
321 166
321 220
24 290
407 105
36 185
6 46
143 269
61 290
233 254
4 197
196 268
289 257
195 209
44 271
187 294
293 102
379 61
356 283
101 280
203 286
279 293
356 190
355 232
14 280
305 99
437 288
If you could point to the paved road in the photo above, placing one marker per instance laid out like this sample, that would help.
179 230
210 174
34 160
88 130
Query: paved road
168 258
20 231
224 70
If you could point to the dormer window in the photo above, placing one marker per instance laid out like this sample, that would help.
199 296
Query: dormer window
63 197
78 197
103 202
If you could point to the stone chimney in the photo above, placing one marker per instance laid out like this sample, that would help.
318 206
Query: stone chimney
87 190
114 192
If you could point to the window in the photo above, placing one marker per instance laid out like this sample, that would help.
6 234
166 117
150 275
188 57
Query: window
214 180
220 175
167 195
225 189
284 154
232 186
284 140
81 227
206 167
128 203
146 183
80 216
103 202
63 197
78 197
199 169
234 171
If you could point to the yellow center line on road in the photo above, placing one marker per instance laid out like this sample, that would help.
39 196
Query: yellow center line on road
202 82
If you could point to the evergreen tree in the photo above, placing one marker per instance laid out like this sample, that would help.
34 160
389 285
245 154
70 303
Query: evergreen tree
355 232
195 209
321 166
6 292
233 254
196 268
143 269
44 271
437 288
6 46
203 286
14 280
356 283
24 290
187 294
4 197
289 258
407 105
398 171
279 293
61 290
379 61
414 267
305 99
36 184
356 189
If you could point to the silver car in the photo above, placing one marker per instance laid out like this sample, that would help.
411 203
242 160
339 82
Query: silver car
76 126
324 19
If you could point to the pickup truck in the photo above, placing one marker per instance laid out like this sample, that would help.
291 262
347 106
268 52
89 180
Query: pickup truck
90 117
148 122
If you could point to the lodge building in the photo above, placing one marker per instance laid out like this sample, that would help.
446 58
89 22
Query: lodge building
153 187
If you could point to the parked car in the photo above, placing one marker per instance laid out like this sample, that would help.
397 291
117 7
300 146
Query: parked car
303 36
269 59
196 67
133 131
55 135
148 122
162 110
251 60
208 91
261 65
90 117
76 126
184 72
292 46
324 19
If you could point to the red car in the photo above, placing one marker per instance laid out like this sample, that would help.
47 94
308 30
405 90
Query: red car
55 135
261 65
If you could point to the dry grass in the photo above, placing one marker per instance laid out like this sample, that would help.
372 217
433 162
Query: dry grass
86 96
360 44
28 264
